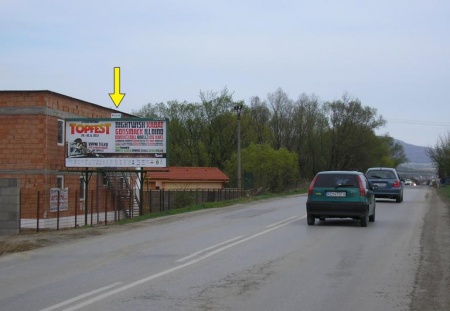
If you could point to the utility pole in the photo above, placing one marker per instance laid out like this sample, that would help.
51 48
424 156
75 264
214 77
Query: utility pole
238 109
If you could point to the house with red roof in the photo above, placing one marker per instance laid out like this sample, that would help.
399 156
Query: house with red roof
186 178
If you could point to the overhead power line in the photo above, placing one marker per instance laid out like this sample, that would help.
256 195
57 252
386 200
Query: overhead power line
419 122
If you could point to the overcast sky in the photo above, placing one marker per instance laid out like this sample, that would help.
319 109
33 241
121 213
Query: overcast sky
393 55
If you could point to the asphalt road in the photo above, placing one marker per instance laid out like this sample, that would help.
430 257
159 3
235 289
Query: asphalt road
258 256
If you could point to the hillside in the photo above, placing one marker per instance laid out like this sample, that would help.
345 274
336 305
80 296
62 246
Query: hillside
415 154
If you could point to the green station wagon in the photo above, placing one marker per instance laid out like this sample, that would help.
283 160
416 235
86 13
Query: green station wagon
340 194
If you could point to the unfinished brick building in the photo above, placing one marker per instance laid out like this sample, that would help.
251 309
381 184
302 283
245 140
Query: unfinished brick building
53 194
32 125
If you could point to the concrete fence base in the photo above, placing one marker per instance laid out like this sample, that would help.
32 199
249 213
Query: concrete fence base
9 206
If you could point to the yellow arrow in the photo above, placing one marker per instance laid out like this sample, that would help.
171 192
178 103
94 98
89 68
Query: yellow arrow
117 96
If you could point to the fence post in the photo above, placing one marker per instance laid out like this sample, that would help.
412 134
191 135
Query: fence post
92 206
130 204
150 200
115 203
38 208
57 212
106 206
97 194
161 200
20 210
169 204
76 208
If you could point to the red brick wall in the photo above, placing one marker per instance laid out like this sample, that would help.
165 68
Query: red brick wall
23 141
21 99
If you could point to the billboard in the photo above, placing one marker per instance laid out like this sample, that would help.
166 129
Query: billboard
116 142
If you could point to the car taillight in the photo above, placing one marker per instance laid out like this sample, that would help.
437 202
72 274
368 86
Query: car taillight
362 191
311 187
396 184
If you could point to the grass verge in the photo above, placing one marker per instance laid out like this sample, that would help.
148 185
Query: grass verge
445 192
210 205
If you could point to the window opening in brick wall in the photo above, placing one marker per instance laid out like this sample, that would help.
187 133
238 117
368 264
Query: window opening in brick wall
60 132
60 181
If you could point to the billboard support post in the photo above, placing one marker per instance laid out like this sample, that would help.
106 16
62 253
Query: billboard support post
141 191
86 179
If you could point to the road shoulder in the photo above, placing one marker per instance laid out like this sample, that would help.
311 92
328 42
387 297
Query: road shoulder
432 283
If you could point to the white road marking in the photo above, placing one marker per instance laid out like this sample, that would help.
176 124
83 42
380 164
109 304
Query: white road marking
181 266
283 221
69 301
207 249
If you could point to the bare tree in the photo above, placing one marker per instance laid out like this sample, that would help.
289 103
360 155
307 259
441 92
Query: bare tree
310 126
259 120
282 123
440 155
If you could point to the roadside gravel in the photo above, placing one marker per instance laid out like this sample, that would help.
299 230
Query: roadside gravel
432 284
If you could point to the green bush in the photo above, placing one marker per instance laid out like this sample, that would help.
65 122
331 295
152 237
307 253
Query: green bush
271 170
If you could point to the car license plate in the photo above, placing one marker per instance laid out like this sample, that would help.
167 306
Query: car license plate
336 194
380 185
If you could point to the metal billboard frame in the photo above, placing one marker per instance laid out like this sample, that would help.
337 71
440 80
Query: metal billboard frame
117 142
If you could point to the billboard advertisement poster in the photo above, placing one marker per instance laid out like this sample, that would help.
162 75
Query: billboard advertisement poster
116 142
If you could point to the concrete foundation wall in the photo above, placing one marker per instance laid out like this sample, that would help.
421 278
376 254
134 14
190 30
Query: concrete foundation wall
9 206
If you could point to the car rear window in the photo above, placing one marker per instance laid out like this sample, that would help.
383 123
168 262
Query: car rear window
381 174
334 180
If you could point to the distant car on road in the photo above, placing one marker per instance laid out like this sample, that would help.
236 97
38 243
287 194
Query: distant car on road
387 182
408 182
340 194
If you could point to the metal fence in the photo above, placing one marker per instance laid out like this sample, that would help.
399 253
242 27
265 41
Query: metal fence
66 209
165 200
